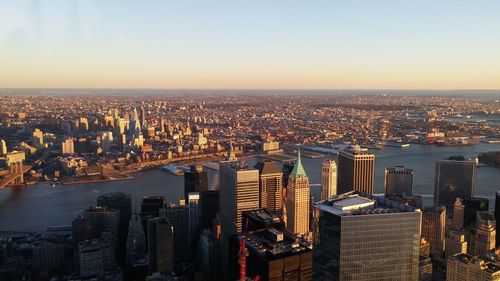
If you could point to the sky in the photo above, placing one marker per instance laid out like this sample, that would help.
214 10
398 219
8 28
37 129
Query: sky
250 44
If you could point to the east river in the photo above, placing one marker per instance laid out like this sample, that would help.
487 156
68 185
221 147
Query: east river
36 207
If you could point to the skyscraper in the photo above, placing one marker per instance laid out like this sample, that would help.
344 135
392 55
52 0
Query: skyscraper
209 207
178 216
433 228
90 258
328 179
471 207
355 170
297 199
3 147
270 184
195 180
194 217
239 191
485 233
398 180
363 237
160 245
122 202
454 177
497 216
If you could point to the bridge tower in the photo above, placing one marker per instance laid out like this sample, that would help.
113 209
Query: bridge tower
17 169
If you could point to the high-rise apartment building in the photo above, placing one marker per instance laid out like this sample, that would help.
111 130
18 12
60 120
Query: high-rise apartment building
297 200
433 228
462 267
239 191
398 180
160 245
271 186
363 237
328 179
355 170
454 177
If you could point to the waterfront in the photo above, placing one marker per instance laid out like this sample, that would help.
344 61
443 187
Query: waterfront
36 207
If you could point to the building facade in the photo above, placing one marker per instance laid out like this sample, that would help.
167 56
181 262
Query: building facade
398 180
328 179
298 200
355 170
362 237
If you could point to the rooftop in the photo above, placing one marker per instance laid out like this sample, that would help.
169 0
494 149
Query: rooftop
468 259
273 244
360 203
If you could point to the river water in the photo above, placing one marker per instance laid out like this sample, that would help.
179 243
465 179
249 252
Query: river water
36 207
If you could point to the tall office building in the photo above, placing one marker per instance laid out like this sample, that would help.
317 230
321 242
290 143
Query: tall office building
151 205
455 243
195 180
239 191
485 233
209 207
363 237
178 216
466 267
355 170
103 219
287 170
118 201
328 179
136 240
194 217
271 186
3 147
160 245
472 206
297 199
433 228
285 257
458 214
497 217
122 202
68 146
105 225
90 258
398 180
454 177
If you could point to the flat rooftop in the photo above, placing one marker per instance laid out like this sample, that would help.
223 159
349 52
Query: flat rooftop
360 203
274 244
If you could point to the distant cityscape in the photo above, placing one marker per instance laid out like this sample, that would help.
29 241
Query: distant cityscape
254 222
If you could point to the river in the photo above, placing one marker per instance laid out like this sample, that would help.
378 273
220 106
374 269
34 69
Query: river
36 207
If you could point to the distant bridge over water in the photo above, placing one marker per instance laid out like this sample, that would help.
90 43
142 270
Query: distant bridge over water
15 175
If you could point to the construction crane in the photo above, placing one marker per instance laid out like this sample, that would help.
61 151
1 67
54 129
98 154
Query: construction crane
242 254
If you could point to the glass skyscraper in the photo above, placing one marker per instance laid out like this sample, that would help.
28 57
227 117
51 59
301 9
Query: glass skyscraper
362 237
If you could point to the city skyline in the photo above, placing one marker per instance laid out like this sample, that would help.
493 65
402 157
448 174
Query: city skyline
250 45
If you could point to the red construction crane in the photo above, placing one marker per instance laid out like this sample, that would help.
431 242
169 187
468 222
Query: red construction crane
243 253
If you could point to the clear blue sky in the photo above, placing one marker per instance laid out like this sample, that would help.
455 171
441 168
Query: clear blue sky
250 44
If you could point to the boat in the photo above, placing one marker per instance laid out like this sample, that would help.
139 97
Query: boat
173 169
